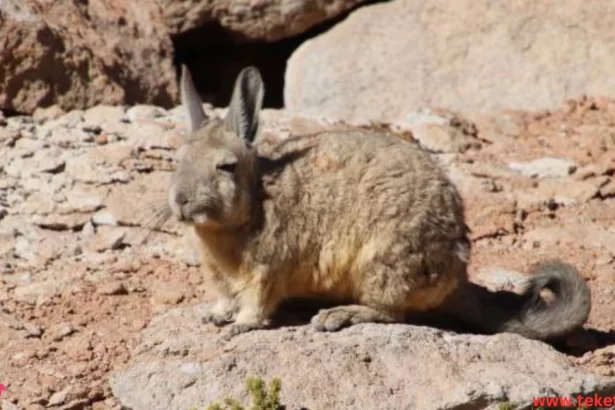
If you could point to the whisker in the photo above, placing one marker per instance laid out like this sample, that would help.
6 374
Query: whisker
158 213
164 215
151 225
150 228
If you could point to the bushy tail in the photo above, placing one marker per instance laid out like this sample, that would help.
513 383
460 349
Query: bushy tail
530 314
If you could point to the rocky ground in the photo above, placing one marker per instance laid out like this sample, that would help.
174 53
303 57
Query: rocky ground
82 275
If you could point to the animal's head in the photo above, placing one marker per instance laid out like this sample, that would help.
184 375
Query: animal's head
213 183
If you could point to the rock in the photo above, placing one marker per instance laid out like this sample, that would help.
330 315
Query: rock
27 147
489 213
58 397
552 192
440 134
588 171
588 235
49 161
107 238
112 154
104 217
38 203
59 332
492 216
390 58
79 55
605 259
88 231
38 252
496 278
82 200
7 183
608 190
167 295
32 330
36 292
184 364
264 20
113 288
143 113
99 115
24 249
57 222
102 139
81 169
68 137
69 120
544 167
153 136
48 113
496 129
9 137
565 191
7 405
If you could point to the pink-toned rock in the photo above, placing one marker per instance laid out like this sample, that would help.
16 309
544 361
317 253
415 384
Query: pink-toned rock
393 57
264 20
107 238
79 54
608 190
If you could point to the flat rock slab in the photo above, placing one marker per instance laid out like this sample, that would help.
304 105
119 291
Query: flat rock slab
184 364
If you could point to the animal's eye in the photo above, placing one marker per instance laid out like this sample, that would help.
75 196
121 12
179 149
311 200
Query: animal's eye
227 167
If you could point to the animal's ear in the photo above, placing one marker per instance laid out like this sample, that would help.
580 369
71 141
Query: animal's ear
191 101
246 102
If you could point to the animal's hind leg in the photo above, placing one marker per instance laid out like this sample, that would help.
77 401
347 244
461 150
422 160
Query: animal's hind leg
390 290
333 319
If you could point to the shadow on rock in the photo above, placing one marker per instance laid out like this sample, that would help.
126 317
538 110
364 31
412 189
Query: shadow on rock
299 312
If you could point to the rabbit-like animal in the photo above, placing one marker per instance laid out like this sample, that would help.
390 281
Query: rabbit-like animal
360 218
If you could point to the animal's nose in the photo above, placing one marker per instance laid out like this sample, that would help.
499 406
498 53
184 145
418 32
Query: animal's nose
181 199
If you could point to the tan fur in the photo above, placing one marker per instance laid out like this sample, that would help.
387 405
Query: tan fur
356 217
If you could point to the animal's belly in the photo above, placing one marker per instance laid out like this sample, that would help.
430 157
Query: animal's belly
331 275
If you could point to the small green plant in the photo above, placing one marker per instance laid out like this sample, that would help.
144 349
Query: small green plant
263 398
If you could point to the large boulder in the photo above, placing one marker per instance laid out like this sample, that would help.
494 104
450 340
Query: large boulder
387 59
263 20
79 54
183 364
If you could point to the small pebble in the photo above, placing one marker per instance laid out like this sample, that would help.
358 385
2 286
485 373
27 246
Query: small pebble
113 288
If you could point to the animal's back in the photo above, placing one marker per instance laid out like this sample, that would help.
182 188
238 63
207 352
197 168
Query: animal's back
345 202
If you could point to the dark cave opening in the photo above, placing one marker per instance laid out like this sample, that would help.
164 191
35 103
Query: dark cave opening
215 61
215 66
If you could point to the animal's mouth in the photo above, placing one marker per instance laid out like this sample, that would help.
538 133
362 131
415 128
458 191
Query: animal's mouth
201 219
193 211
202 215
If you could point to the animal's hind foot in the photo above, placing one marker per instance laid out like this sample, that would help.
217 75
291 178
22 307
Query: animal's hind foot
334 319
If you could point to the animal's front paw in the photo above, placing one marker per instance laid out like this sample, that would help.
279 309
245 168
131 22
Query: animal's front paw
236 329
219 313
247 320
217 318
